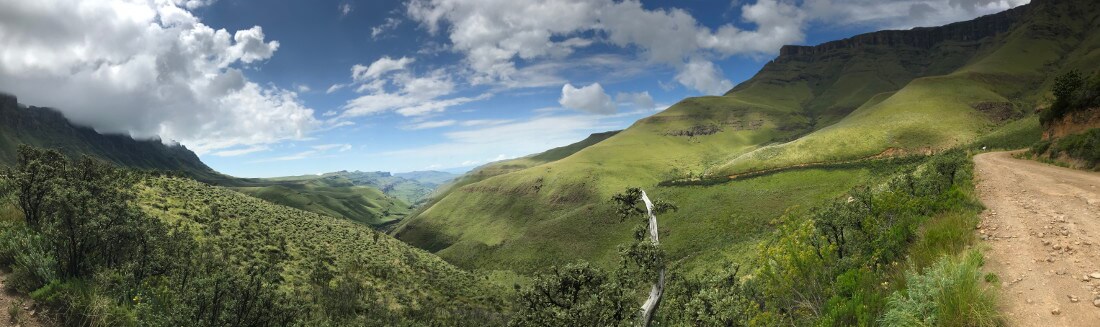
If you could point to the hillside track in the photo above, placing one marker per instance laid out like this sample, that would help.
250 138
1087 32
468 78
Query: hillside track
1042 230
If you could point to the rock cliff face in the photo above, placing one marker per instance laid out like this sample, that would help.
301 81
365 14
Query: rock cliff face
920 37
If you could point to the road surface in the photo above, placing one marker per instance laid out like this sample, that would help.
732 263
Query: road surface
1042 228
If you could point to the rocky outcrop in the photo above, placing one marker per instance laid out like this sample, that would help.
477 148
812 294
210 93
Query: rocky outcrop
1072 123
920 37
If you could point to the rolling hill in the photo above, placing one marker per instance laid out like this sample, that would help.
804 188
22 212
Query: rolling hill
877 95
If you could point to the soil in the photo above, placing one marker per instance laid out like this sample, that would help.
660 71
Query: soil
26 316
1042 231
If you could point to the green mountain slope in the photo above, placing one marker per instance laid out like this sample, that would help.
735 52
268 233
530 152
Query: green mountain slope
997 81
399 280
875 95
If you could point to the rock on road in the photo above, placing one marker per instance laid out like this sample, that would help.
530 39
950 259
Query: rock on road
1042 229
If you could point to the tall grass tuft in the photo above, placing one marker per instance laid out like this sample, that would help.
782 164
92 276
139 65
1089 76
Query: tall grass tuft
949 293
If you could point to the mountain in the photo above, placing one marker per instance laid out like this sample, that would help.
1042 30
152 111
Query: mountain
47 128
821 109
429 177
337 197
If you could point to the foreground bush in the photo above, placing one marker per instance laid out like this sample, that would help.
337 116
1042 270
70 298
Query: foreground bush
949 293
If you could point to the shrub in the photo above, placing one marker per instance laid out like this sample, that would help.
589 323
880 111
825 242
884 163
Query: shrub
28 255
949 293
1084 146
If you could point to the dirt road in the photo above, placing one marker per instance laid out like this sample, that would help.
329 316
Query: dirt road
1042 226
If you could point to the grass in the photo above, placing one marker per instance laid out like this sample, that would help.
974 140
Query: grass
1014 135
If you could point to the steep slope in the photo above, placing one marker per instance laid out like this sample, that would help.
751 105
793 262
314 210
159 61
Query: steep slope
998 81
398 279
45 127
883 93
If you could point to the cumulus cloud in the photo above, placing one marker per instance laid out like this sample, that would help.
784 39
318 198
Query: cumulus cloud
404 92
705 76
379 67
591 99
146 69
493 35
640 100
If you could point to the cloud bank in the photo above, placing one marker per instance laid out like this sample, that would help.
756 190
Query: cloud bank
148 69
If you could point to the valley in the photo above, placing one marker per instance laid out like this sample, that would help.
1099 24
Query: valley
889 178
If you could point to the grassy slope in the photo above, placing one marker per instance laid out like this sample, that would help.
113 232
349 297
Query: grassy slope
403 277
852 101
363 204
555 212
936 112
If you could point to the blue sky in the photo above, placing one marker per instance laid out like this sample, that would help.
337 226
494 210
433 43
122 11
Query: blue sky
273 88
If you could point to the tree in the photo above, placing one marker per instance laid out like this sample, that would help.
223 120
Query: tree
646 255
33 180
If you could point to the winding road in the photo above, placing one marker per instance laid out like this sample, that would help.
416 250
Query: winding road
1042 229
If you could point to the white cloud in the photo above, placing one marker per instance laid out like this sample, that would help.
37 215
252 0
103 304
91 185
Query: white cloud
146 69
485 122
403 92
379 67
902 14
494 34
704 76
591 99
640 100
335 87
432 124
390 24
302 88
241 151
345 9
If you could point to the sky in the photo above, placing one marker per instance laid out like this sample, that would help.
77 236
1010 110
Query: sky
264 88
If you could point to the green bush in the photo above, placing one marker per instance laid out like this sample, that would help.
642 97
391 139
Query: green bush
28 255
949 293
1084 146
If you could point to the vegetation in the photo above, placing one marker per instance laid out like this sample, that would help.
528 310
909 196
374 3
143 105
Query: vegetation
114 247
877 255
964 87
331 196
1072 94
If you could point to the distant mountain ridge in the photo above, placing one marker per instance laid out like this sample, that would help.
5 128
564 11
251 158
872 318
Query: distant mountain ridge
340 197
48 128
